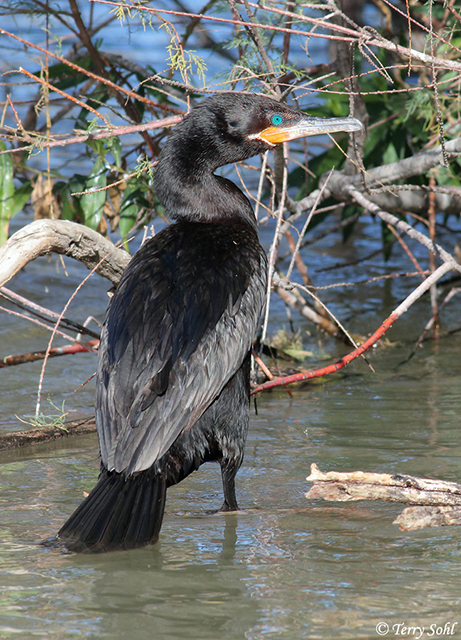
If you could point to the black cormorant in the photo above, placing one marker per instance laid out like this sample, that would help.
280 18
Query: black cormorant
173 379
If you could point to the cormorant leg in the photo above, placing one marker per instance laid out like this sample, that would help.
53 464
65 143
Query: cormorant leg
228 483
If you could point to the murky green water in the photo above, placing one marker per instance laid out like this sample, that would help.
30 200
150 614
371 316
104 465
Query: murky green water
283 567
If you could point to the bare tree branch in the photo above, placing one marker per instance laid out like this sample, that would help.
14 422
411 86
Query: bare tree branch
404 226
42 237
420 163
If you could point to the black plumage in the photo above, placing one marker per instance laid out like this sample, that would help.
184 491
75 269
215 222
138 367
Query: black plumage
173 380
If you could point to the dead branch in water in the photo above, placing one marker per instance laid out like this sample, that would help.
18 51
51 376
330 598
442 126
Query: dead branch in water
386 325
76 347
438 502
37 435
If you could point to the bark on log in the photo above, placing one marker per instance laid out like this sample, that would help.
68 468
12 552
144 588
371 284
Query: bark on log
439 502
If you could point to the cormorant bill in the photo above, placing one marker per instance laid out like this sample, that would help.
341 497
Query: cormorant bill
173 378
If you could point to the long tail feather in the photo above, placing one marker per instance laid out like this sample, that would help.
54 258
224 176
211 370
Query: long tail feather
119 513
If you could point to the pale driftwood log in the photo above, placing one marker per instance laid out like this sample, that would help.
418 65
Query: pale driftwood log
439 502
42 237
76 241
37 435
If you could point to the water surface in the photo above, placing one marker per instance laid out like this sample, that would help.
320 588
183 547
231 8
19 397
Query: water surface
283 567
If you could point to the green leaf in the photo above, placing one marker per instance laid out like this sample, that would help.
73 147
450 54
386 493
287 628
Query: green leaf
390 155
70 205
64 77
6 192
129 208
20 198
93 203
115 147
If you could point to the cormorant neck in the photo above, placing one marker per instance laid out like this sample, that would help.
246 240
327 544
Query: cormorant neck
185 182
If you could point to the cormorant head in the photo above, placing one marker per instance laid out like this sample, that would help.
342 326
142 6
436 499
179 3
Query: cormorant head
237 126
220 130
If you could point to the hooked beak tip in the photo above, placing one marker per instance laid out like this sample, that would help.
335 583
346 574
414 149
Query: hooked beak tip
308 126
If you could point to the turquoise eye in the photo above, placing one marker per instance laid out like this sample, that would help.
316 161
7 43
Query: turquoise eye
277 120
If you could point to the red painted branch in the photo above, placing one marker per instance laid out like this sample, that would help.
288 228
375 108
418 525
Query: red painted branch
331 368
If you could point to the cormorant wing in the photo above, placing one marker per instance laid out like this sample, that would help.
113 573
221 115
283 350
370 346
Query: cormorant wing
178 328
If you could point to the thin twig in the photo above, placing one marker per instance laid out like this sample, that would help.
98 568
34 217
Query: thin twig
276 240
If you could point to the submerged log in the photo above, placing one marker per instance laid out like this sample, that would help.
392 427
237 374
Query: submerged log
413 518
37 435
438 502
